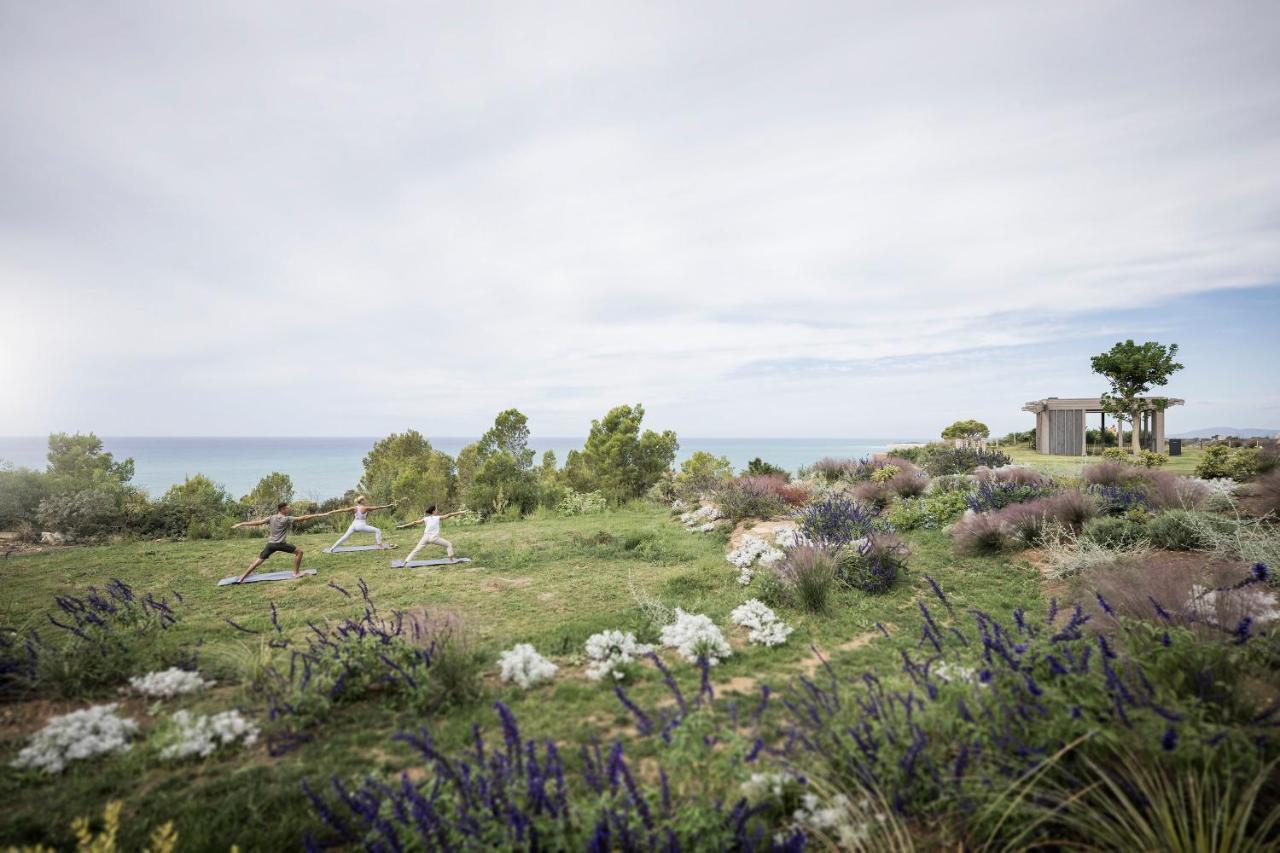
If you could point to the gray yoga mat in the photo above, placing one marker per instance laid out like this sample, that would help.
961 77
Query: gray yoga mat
345 548
265 576
417 564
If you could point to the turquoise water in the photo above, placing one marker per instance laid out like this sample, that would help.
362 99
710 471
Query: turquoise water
326 467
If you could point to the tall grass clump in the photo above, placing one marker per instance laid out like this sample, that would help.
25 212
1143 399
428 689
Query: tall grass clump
810 571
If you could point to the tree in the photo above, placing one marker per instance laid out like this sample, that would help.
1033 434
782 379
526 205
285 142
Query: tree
759 468
502 484
78 463
1132 369
271 491
623 462
509 434
405 468
969 431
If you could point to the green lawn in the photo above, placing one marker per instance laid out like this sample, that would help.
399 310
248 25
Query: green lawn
548 581
1022 455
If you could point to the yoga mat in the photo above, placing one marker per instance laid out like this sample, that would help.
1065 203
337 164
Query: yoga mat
417 564
345 548
265 576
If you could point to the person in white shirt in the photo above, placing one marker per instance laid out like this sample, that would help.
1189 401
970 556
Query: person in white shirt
431 533
360 522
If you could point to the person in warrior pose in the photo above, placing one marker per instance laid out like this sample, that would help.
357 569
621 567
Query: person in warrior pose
359 524
431 535
278 526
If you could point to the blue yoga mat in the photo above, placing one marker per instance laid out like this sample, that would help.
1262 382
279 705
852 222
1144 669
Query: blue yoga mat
265 576
345 548
417 564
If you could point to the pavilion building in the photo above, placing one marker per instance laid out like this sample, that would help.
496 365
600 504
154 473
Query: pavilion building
1061 423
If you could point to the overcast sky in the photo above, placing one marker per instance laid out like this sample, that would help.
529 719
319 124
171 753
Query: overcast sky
782 219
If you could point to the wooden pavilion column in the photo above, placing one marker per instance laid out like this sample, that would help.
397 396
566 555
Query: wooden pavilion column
1157 427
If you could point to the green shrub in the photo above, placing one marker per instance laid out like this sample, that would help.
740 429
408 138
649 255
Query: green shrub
875 566
759 468
702 473
83 516
191 508
579 503
942 460
21 491
1115 531
1238 463
1151 459
932 512
1185 530
884 474
751 497
961 483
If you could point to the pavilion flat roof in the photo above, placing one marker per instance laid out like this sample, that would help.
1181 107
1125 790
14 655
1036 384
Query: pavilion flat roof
1089 404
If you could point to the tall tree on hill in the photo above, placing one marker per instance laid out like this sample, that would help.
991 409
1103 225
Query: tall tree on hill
1132 369
622 461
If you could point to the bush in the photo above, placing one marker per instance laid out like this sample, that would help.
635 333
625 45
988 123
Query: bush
83 516
942 460
961 483
21 491
835 521
1070 509
1184 530
96 640
1013 475
928 513
1219 460
908 484
874 566
810 571
702 473
759 468
1116 531
579 503
196 506
873 494
992 494
831 470
1169 491
1151 459
751 497
623 462
1108 473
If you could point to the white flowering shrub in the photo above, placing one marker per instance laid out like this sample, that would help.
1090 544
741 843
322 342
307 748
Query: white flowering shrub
766 629
789 537
1217 486
523 665
701 520
695 636
750 551
766 786
168 683
188 735
77 736
611 653
848 824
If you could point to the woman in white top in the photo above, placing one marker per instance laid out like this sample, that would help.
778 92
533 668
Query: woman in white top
359 524
431 534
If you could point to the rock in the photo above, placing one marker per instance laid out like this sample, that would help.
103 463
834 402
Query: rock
766 530
47 538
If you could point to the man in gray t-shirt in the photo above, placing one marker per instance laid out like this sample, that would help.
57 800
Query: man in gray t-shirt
278 527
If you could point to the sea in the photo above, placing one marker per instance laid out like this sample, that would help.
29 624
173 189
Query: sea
328 467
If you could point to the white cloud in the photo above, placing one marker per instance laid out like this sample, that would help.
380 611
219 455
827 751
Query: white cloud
320 220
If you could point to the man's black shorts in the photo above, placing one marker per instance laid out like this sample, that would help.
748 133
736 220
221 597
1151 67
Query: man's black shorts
272 547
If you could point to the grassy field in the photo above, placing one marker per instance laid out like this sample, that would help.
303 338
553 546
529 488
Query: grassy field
1022 455
548 581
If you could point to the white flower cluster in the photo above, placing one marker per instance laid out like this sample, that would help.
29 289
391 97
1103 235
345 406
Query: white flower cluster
789 537
523 665
75 736
611 651
949 672
695 636
839 820
762 786
200 735
766 628
751 550
701 520
168 683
